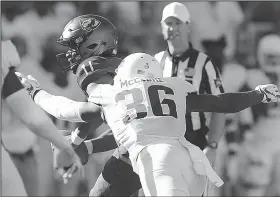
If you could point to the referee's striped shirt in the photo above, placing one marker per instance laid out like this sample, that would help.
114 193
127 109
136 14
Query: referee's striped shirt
196 68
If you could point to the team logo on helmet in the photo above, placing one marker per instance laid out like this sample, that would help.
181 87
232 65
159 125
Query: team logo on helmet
90 24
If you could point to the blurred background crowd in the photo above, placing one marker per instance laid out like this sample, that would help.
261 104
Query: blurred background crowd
234 27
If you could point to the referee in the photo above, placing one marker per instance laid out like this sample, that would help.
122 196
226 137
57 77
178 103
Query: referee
180 59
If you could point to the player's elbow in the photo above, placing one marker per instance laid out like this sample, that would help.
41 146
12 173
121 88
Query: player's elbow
89 112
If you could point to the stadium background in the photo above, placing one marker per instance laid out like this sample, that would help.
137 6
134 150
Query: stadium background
34 27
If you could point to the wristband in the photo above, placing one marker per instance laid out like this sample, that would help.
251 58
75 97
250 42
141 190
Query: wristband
34 92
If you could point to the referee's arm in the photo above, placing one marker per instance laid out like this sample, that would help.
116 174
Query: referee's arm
217 122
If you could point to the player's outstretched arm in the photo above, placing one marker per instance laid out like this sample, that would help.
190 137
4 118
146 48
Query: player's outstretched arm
232 102
66 109
60 107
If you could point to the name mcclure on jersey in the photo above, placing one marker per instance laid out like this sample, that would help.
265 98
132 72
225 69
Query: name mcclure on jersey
130 82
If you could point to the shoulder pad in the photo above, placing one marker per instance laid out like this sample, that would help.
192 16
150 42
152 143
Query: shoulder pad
180 84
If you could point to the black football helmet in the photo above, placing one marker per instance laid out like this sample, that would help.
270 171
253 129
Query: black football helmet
86 36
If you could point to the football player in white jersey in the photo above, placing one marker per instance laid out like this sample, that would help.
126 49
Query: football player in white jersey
20 108
146 115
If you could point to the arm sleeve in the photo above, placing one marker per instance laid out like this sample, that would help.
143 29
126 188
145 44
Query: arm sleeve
67 109
58 106
102 143
211 82
223 103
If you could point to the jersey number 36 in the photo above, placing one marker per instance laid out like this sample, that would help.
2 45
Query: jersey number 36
136 101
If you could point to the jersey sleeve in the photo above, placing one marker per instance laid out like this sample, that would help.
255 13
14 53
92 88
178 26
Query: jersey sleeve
211 82
11 83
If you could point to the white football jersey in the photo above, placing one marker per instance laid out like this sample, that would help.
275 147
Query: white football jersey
144 112
141 112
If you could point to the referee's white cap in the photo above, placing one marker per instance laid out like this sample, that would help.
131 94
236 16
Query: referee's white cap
177 10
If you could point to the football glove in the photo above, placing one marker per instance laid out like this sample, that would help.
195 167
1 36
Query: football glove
29 83
270 92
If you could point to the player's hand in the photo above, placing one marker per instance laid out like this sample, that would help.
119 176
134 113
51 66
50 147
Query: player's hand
30 83
270 92
67 172
76 166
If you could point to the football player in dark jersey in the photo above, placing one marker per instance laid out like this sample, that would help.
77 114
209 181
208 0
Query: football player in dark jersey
90 39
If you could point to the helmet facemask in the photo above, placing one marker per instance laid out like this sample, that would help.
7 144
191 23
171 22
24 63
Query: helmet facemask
69 60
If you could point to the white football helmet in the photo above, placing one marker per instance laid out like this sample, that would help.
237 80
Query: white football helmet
269 53
138 65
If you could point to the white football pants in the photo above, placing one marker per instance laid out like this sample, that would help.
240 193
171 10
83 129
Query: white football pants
166 169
